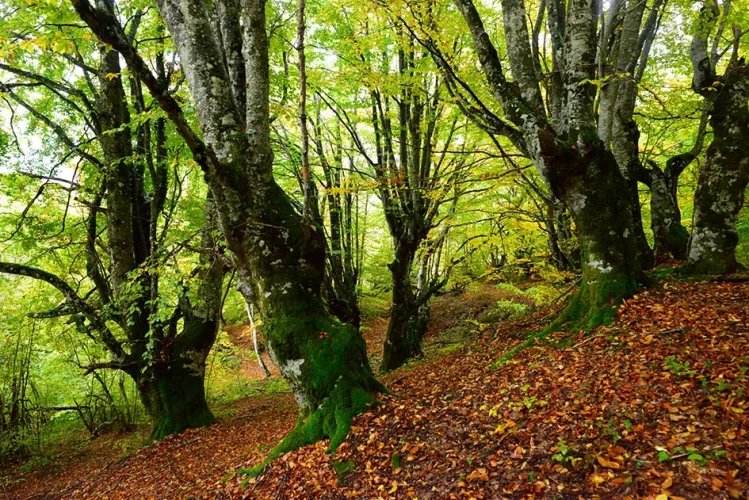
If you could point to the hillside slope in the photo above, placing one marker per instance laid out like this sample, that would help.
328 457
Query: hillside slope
654 404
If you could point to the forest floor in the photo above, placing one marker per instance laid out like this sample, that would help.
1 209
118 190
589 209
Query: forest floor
651 406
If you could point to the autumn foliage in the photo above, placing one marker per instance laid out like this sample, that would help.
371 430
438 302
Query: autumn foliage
651 405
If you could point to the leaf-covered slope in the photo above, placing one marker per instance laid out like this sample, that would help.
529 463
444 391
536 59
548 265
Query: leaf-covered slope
654 404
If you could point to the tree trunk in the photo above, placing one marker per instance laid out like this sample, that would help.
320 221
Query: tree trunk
174 397
723 180
670 237
564 252
278 256
645 255
590 184
280 265
403 340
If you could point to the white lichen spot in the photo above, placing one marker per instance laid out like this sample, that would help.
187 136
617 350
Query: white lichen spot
293 367
194 361
600 266
577 202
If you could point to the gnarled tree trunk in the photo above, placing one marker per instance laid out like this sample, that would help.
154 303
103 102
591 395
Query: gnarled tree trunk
278 256
724 177
567 150
591 186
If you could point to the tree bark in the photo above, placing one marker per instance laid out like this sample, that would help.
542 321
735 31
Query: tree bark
567 150
405 331
609 258
174 395
721 184
279 258
669 235
722 181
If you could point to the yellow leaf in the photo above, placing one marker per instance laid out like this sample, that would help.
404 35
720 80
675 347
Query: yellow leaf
667 483
597 479
110 76
394 488
607 463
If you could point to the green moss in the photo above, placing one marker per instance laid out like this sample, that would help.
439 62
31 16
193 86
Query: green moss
595 304
331 420
343 469
330 374
175 401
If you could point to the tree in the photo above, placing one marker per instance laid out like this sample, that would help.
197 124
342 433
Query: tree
279 257
558 130
418 166
670 237
724 177
162 347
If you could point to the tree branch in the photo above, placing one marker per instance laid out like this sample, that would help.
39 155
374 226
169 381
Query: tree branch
71 297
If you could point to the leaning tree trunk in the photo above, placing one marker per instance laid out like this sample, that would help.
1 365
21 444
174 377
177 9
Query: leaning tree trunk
277 255
281 268
405 330
590 184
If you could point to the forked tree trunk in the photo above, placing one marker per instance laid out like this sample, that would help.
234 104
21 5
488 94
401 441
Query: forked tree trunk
567 150
723 180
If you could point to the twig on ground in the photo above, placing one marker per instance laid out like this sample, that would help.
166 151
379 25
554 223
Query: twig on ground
681 329
586 340
188 442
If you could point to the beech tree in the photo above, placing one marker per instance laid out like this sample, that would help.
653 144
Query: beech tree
724 177
567 140
162 347
418 165
279 256
670 237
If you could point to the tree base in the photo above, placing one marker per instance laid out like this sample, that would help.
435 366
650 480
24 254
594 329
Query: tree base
595 303
332 420
175 400
169 425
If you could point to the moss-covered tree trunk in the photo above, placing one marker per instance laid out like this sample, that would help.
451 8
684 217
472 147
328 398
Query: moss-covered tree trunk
280 266
722 181
670 236
720 191
405 330
591 185
279 258
174 397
